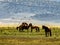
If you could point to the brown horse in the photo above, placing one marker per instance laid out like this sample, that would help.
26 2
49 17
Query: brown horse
34 27
47 30
23 26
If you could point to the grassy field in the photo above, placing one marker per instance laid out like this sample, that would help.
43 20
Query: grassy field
11 36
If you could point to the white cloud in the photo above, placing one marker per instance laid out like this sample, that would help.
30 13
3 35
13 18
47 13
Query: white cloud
17 17
22 15
10 0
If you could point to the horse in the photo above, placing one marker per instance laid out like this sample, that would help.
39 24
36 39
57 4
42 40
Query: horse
47 30
23 26
34 27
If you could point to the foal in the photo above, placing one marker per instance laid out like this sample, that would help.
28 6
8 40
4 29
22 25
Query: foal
34 27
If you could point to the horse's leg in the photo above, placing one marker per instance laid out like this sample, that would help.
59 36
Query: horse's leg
38 30
31 29
27 30
22 29
46 33
50 33
19 30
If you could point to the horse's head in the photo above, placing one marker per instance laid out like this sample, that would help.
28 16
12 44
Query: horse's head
43 27
30 25
17 28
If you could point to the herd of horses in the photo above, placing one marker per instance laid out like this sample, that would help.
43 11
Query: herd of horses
25 26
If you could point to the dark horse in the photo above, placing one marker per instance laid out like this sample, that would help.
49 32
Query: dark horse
47 30
23 26
34 27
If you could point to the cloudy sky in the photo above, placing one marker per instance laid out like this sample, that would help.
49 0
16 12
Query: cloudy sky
16 0
23 10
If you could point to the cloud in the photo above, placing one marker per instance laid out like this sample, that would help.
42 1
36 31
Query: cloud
1 0
17 17
23 14
55 0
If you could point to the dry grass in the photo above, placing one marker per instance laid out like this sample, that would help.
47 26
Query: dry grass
29 41
10 36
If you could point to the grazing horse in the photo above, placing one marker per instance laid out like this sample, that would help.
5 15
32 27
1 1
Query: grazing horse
47 30
34 27
23 26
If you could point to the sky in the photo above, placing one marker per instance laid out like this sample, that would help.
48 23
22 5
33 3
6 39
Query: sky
13 12
10 0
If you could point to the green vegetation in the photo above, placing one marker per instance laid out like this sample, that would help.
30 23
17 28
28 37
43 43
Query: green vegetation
11 36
